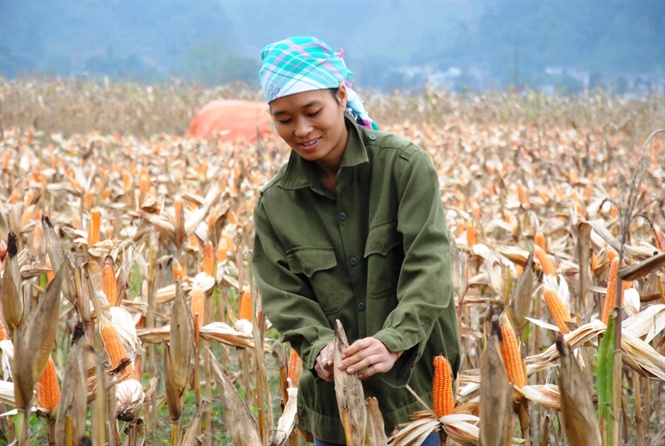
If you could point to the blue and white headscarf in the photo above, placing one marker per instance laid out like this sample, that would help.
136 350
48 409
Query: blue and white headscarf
302 64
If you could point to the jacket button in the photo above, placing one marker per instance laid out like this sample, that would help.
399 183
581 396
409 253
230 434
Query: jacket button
361 306
353 261
341 216
372 137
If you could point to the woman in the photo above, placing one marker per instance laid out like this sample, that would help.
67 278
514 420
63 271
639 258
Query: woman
351 228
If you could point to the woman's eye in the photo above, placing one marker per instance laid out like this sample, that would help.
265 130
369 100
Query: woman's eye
311 115
284 121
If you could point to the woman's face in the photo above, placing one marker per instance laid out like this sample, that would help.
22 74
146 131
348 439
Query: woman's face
312 123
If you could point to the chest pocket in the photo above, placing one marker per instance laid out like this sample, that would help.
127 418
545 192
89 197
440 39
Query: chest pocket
318 267
384 259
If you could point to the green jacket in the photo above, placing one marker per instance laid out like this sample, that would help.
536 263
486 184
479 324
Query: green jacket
375 256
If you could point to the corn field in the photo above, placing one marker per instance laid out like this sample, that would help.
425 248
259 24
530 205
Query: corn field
129 316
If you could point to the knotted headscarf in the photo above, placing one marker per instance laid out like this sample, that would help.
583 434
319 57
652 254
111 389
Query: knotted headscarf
302 64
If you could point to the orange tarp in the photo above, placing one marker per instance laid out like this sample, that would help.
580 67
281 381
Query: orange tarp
231 120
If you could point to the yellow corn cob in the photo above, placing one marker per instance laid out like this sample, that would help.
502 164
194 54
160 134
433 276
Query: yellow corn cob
539 239
611 255
471 238
48 389
5 160
37 233
178 272
293 367
28 198
117 353
88 200
222 250
94 232
593 260
558 310
245 311
109 284
610 295
126 181
511 353
614 212
208 258
572 176
197 304
442 387
545 262
521 192
3 333
144 186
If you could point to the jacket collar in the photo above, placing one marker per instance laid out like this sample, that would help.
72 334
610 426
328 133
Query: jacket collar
301 174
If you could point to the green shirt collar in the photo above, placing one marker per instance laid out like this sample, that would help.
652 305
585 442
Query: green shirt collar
300 173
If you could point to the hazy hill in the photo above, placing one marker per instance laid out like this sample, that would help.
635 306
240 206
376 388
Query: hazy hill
219 41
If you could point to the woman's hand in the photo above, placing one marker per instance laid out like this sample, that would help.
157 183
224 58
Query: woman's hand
324 363
368 356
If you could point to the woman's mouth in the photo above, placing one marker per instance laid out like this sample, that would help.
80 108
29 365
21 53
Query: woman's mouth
310 143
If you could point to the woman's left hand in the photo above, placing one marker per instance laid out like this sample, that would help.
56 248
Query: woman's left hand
368 356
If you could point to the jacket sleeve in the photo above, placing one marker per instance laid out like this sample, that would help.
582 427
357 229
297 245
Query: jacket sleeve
424 290
288 300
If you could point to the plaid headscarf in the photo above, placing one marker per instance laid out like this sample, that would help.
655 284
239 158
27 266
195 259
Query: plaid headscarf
302 64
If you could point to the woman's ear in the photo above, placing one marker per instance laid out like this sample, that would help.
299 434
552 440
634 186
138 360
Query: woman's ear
342 95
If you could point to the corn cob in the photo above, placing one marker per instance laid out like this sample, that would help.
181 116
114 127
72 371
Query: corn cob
222 248
471 238
208 258
610 295
539 239
442 387
3 333
177 209
48 389
94 232
558 310
511 353
178 272
109 284
37 233
197 304
117 353
88 200
521 192
292 372
593 260
245 311
144 186
545 263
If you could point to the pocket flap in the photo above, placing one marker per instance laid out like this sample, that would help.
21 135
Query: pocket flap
310 260
382 238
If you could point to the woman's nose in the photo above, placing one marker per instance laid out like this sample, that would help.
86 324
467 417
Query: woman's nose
303 128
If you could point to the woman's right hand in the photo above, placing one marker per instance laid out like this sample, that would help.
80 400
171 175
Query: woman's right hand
324 363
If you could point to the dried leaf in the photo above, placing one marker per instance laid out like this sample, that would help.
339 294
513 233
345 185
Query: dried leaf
12 299
240 421
376 433
577 410
287 421
496 397
350 394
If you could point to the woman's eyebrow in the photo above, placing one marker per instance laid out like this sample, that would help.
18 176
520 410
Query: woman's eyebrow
309 104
